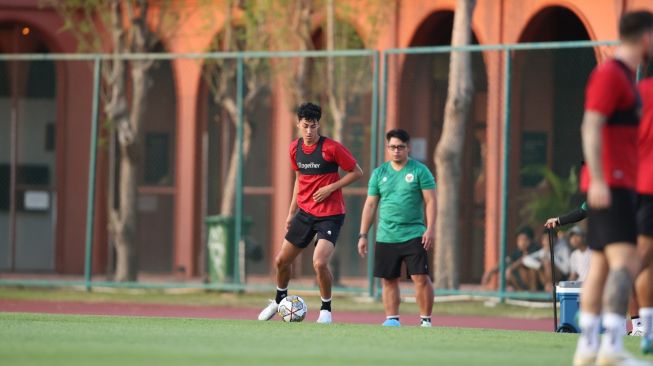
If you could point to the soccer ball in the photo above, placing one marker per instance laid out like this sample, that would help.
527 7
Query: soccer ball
292 309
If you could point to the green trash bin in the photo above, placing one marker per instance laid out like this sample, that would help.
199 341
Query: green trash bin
220 246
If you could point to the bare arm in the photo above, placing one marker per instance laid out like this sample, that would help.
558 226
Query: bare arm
293 201
429 203
347 179
573 276
598 194
371 203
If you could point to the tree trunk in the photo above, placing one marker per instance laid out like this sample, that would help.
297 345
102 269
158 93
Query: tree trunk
336 111
229 190
128 116
449 151
126 228
301 28
130 140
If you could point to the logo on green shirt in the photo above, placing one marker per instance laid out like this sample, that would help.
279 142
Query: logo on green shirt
410 177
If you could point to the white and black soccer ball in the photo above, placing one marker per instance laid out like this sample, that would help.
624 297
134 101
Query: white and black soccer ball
292 309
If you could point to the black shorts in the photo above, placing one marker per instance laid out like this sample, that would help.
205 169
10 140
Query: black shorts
388 258
615 224
645 214
304 226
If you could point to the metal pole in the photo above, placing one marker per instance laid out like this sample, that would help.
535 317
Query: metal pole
373 163
505 173
384 105
90 206
13 156
553 280
238 229
382 128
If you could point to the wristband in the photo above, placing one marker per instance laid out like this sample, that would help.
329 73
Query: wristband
362 236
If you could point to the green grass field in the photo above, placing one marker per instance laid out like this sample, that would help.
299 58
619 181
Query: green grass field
31 339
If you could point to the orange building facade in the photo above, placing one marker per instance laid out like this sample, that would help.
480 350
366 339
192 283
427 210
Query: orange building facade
174 195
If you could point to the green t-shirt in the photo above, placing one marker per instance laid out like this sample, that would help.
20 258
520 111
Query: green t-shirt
401 209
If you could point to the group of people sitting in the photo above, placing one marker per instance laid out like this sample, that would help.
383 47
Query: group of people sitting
528 267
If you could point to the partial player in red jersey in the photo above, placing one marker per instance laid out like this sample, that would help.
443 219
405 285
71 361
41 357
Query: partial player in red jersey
644 283
609 133
317 207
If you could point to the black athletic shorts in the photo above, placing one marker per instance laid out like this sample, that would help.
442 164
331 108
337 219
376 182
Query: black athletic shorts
388 258
615 224
304 226
645 214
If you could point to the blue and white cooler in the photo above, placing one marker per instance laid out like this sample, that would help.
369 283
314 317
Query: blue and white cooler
568 293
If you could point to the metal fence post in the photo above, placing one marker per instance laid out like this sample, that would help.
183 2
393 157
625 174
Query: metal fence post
505 172
90 206
374 137
384 104
238 210
381 132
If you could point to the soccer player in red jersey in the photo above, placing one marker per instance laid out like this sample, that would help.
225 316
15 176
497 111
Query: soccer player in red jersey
609 133
317 206
644 283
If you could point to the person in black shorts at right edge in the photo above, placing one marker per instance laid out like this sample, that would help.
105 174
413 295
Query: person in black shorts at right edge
644 282
609 133
579 214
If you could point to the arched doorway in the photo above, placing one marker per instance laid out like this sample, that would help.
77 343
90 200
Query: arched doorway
547 104
422 98
27 153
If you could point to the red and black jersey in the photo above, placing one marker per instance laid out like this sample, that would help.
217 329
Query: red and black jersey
645 143
611 91
318 167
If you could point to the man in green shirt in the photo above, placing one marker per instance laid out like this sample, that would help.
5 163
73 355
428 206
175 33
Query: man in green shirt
403 189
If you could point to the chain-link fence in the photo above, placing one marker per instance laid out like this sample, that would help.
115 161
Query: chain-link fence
214 182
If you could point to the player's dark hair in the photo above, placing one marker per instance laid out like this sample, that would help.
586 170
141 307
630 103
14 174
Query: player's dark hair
309 112
634 24
397 133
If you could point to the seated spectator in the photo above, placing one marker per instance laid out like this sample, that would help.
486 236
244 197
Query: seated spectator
580 257
540 263
516 275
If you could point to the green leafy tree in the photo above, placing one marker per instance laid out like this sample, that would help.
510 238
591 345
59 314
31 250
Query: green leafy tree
555 196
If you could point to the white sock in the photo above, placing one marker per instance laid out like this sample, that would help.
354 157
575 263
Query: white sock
590 327
612 340
646 319
392 317
636 323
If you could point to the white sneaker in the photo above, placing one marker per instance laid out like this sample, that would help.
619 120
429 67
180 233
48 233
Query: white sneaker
622 358
425 324
325 317
637 332
584 358
269 311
